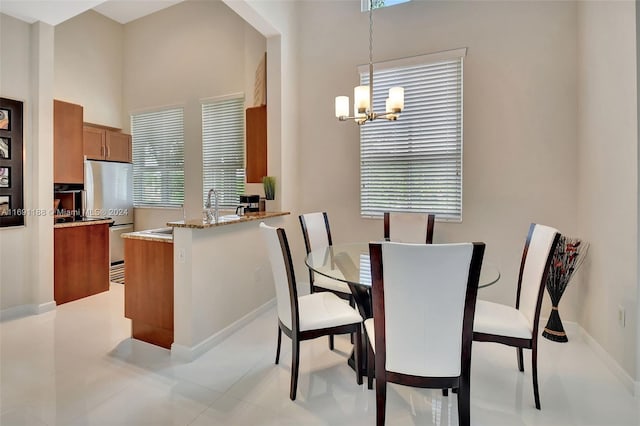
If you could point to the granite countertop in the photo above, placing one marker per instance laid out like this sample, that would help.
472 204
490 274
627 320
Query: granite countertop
83 222
166 234
163 235
226 218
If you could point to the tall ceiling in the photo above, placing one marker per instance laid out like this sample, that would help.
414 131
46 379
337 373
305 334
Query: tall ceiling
54 12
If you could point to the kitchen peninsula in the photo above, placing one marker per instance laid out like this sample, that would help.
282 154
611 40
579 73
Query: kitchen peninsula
220 277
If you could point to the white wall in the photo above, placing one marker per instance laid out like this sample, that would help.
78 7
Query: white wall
278 21
637 389
26 253
88 67
608 184
177 56
520 163
180 56
15 43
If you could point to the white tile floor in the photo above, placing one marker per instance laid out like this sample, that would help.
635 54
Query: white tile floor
78 366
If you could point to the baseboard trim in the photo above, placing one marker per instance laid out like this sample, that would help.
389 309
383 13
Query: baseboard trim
26 310
574 330
45 307
632 386
190 353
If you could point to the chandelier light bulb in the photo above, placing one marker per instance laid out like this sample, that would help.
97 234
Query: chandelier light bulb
361 99
363 95
396 99
342 106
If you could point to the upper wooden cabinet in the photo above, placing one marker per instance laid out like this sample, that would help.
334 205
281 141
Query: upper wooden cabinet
256 149
67 143
101 143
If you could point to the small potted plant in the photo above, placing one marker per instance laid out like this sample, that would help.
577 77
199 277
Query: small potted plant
269 184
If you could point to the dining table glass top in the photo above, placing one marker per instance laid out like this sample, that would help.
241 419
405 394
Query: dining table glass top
349 262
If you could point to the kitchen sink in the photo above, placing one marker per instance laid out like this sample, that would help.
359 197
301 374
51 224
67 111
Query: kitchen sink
160 231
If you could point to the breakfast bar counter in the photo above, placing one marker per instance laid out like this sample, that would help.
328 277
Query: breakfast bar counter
221 278
225 220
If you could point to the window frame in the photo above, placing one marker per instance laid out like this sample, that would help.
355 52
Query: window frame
240 96
404 63
165 189
364 4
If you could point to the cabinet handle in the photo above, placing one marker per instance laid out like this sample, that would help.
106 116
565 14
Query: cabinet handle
101 150
108 151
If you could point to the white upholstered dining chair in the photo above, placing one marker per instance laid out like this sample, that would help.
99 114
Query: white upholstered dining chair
518 326
405 227
305 317
424 298
317 235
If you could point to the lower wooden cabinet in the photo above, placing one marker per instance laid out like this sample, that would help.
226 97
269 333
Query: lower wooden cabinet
81 261
148 290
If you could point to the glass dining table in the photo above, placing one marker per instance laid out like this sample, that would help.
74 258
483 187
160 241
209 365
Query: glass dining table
349 263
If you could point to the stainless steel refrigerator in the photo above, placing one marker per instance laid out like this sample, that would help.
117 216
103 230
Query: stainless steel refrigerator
109 193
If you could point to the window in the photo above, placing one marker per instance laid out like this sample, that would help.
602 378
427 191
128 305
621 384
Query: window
158 158
380 3
415 163
223 149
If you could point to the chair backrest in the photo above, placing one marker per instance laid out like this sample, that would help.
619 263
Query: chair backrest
536 258
315 229
402 227
424 298
283 275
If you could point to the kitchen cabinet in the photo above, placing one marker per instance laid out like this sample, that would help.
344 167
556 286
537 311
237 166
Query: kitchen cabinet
256 144
101 143
67 143
81 260
148 290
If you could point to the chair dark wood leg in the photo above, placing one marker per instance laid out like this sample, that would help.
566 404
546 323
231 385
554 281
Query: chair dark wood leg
295 363
381 398
352 303
534 373
445 392
464 405
520 360
331 342
279 342
370 365
358 354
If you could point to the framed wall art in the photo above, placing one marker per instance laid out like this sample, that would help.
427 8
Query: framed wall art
11 163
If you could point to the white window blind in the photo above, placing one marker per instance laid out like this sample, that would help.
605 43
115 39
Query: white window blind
223 149
380 3
158 157
415 163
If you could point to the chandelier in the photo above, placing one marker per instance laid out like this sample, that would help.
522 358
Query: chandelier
363 95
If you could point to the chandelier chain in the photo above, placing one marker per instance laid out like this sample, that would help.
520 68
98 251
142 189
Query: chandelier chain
371 56
363 109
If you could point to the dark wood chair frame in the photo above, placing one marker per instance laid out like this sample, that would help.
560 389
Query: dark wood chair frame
431 218
463 382
520 343
294 332
312 287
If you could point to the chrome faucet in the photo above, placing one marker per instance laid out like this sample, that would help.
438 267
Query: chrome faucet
215 215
